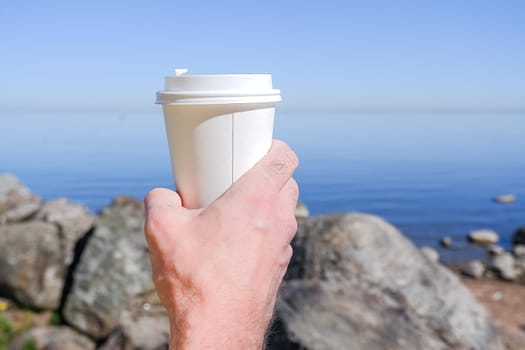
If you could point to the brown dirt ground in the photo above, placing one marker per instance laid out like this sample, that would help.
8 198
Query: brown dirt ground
506 302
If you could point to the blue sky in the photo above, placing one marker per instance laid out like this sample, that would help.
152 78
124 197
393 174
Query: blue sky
112 56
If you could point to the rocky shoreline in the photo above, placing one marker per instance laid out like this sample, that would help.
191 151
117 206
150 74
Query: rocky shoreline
70 279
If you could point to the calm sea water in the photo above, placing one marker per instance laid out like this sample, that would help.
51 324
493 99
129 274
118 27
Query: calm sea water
430 174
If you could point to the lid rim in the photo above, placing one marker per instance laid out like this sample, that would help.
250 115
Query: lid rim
161 99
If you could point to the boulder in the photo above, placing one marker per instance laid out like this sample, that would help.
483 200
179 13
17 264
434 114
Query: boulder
32 268
52 338
483 237
17 203
474 269
505 198
430 253
518 238
73 221
356 283
113 275
503 266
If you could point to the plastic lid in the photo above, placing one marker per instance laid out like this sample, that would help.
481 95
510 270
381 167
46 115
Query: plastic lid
218 89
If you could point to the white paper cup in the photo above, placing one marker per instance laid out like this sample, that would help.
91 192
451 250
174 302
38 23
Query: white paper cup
218 127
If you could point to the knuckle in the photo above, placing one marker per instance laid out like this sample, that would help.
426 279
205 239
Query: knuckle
290 226
153 225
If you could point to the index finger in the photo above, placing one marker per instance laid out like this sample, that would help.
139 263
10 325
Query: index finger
271 173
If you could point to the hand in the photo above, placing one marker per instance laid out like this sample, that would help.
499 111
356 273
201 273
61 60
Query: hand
218 270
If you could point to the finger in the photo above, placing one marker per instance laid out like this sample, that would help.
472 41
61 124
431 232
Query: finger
271 173
285 214
289 196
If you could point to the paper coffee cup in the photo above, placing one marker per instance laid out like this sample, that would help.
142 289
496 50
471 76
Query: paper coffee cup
218 127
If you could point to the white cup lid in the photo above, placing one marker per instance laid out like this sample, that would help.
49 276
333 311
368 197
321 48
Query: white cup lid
218 89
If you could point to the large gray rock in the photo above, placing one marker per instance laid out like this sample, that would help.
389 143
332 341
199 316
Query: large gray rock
113 276
356 283
73 221
32 266
52 338
17 203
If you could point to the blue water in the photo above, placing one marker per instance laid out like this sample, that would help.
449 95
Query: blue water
430 174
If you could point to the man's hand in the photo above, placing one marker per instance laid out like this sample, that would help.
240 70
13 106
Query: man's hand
218 270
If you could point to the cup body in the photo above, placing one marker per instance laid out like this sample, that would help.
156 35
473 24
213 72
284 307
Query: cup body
212 146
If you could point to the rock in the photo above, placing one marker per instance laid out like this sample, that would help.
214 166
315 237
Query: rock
505 198
503 266
430 253
113 275
495 249
17 203
52 338
519 251
446 242
474 268
301 211
483 237
519 236
73 220
32 266
356 283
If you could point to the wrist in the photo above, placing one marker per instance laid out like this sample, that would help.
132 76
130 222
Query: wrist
210 327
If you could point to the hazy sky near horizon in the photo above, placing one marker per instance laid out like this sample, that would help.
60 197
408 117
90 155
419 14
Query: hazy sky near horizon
365 55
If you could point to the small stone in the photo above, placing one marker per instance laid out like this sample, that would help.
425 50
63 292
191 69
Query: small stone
495 250
430 253
446 242
474 269
496 296
503 265
519 251
146 306
301 211
483 237
505 198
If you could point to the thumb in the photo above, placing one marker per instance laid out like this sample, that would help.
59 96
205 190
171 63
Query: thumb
162 199
163 213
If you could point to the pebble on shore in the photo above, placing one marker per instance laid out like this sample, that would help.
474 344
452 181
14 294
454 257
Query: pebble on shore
474 269
505 198
445 242
483 237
